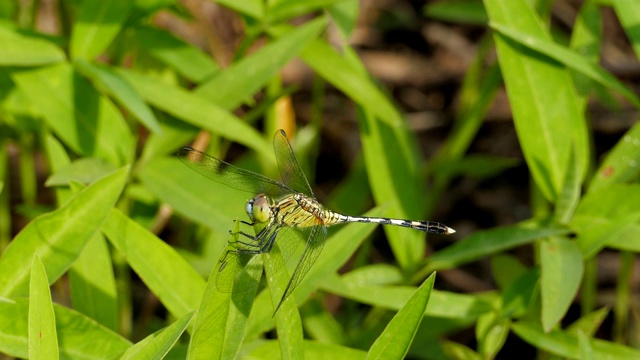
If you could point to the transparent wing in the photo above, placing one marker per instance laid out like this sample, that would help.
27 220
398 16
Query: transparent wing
315 243
232 176
237 270
290 170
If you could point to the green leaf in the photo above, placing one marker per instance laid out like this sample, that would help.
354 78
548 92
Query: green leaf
396 338
252 8
96 26
345 16
609 216
517 297
567 57
243 78
288 323
286 9
488 242
58 237
79 337
312 350
441 303
178 286
542 97
86 121
352 80
561 273
92 283
566 345
20 50
586 351
197 111
491 334
392 166
57 159
184 58
505 269
586 40
629 17
459 11
158 344
119 89
210 203
570 193
83 170
43 339
621 163
454 350
589 323
220 324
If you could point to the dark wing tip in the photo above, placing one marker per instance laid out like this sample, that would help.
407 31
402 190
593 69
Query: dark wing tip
282 132
183 151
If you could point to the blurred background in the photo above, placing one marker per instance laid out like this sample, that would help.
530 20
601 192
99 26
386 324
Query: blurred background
421 54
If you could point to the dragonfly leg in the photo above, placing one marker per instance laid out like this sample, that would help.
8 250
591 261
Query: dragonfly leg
268 245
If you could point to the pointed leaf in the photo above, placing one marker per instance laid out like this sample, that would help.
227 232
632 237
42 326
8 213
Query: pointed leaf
43 339
561 273
542 97
78 336
178 286
120 90
59 236
158 344
20 50
396 338
83 119
96 26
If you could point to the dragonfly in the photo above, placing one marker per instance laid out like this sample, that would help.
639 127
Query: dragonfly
280 206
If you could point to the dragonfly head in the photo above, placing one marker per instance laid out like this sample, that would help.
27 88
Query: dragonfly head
259 209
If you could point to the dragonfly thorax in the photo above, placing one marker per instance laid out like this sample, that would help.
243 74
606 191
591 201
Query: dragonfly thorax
259 209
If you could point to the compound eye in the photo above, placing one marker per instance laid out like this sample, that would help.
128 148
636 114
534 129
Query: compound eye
261 210
249 209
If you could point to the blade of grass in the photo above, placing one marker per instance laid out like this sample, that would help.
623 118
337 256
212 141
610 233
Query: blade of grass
561 273
96 25
441 303
20 50
83 119
179 287
396 338
158 344
186 59
488 242
59 236
120 90
43 339
196 110
92 283
566 345
79 337
243 78
568 58
629 16
392 166
621 163
542 98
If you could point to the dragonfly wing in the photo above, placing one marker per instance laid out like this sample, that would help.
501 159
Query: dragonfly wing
315 243
229 175
238 272
290 170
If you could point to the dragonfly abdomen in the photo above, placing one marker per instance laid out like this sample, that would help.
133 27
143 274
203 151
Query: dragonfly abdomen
426 226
